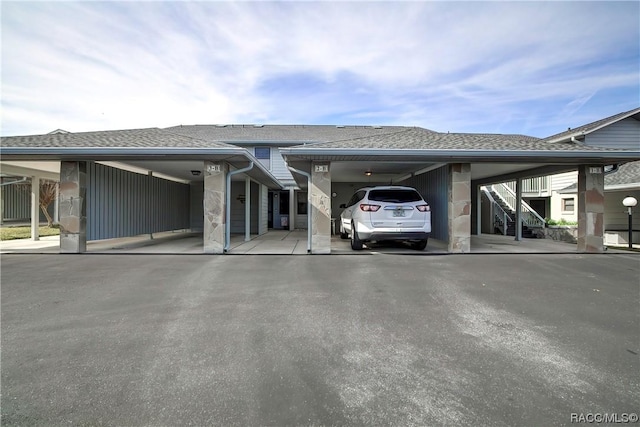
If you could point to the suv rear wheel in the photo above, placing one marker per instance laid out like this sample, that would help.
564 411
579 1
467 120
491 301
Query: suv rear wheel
356 243
419 245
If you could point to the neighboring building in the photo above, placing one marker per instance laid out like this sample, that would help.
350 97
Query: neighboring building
556 196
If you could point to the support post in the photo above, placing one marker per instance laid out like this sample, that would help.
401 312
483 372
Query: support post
459 217
478 210
214 200
590 208
292 210
518 208
247 209
320 209
35 208
72 207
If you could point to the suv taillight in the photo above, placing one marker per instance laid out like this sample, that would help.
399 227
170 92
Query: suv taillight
423 208
369 208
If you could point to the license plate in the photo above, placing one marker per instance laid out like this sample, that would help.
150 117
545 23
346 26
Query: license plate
398 212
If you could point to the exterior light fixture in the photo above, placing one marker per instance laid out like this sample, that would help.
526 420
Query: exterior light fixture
368 173
195 172
630 202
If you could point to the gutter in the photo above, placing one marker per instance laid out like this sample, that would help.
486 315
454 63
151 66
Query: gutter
24 179
227 225
576 155
308 175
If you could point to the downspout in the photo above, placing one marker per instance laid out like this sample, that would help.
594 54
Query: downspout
227 225
308 175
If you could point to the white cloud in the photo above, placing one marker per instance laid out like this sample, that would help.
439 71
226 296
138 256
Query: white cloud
446 66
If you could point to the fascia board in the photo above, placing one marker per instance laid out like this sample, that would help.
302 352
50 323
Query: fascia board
490 155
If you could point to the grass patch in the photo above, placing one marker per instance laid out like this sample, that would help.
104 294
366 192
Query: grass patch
12 233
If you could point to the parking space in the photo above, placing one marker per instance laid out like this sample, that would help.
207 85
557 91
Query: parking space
285 242
368 340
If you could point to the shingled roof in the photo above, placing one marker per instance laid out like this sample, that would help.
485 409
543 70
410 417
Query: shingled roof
131 138
629 173
289 134
421 139
592 127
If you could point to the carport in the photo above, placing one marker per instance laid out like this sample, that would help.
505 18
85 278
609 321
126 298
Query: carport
124 183
449 170
116 184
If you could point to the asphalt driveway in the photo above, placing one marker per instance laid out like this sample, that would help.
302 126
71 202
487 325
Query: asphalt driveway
171 340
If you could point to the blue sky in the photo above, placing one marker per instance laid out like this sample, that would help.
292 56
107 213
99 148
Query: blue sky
534 68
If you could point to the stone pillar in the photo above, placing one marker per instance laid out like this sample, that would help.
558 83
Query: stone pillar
320 208
73 207
590 209
35 208
214 202
459 208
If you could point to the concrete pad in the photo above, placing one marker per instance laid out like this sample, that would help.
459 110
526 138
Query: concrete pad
46 244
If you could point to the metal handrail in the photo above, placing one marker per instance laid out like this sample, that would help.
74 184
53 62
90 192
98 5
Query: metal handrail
499 220
529 216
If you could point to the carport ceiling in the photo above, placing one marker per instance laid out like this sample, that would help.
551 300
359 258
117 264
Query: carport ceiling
180 169
354 171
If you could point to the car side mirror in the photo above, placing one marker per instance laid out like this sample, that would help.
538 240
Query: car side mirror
342 206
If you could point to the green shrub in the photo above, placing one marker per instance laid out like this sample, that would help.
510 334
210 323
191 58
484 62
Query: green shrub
561 221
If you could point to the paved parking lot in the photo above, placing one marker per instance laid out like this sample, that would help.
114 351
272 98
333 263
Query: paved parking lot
165 340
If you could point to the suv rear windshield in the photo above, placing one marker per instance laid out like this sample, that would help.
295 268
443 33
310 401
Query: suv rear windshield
394 196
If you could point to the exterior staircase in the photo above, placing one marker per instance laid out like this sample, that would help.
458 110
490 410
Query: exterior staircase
504 213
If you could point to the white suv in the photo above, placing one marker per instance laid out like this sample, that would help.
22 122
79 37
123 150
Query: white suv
386 213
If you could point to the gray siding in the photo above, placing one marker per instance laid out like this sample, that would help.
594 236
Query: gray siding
196 211
616 216
16 203
344 191
623 134
237 208
122 203
434 188
279 166
264 209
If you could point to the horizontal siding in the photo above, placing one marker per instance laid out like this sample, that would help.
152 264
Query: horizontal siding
122 203
623 134
563 180
279 166
616 216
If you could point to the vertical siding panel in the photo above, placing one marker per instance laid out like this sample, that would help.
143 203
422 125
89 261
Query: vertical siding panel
123 203
433 186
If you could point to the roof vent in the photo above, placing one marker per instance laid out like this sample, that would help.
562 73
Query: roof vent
258 126
340 126
221 126
377 127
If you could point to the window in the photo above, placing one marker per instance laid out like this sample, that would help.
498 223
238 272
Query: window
395 196
302 203
263 154
568 205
